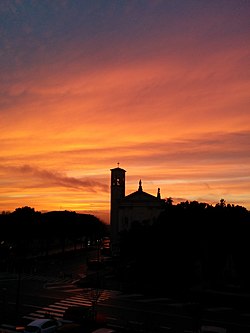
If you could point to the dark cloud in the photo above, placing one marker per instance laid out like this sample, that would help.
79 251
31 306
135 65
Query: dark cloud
52 179
44 31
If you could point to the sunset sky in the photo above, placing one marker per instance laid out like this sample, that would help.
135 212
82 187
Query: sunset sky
162 87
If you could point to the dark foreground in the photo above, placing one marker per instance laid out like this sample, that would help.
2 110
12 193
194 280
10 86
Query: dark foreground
125 309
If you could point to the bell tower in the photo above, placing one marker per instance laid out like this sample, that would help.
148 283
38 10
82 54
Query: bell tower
117 190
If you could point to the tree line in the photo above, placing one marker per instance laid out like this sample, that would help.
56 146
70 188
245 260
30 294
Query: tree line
26 232
191 244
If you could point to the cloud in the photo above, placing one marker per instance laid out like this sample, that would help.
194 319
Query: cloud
55 179
161 87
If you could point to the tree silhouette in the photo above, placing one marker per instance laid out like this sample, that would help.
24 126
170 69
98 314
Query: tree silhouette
28 233
191 244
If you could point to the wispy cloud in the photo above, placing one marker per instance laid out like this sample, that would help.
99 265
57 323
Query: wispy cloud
36 178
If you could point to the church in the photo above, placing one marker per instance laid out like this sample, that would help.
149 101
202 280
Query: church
138 206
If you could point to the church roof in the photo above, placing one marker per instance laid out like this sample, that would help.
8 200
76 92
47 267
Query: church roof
141 196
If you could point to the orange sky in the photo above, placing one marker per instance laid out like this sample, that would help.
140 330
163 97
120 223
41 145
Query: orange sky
160 86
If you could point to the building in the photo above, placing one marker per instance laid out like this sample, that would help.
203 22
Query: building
138 206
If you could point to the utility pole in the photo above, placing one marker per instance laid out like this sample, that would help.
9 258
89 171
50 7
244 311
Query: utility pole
18 289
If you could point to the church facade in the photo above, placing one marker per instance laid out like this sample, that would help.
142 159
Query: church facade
138 206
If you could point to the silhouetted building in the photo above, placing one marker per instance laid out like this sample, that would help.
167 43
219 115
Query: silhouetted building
138 206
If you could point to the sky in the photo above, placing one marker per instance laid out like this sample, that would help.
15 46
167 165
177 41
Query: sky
162 87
